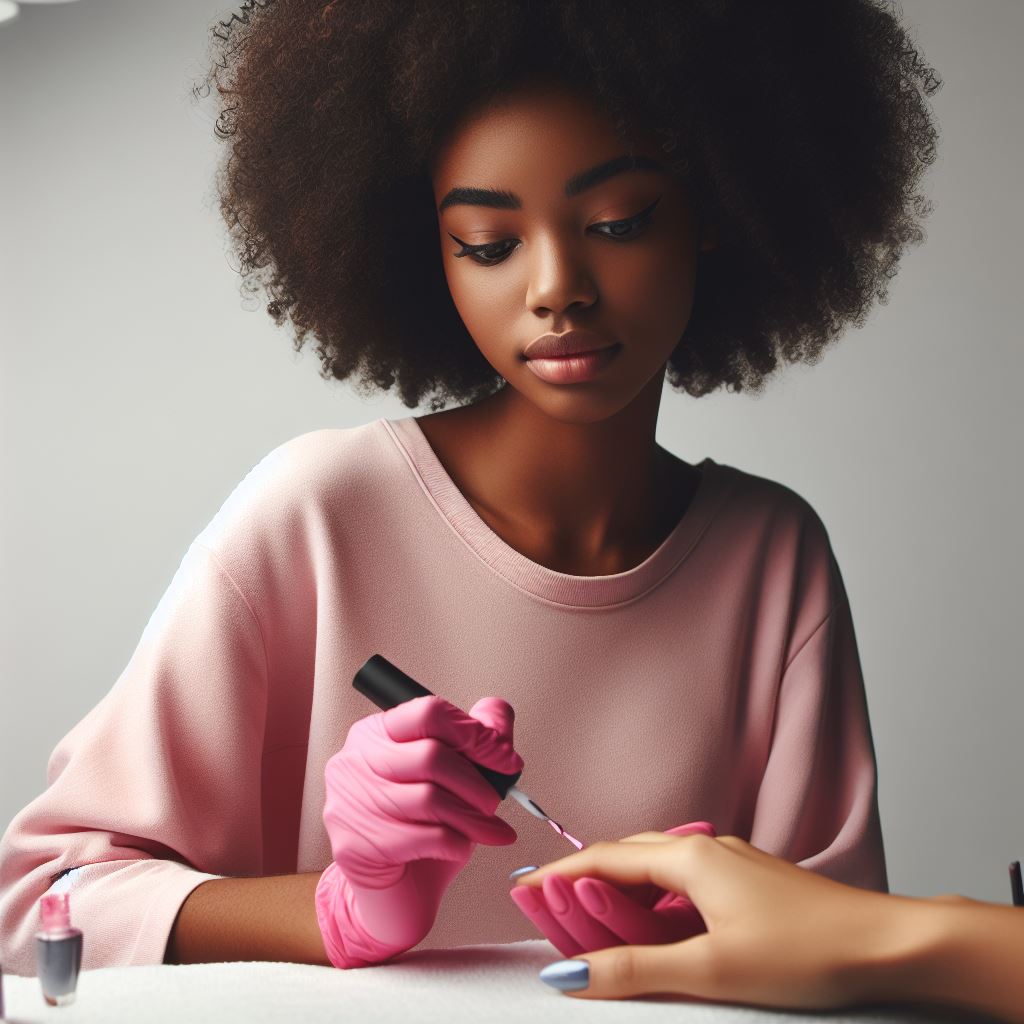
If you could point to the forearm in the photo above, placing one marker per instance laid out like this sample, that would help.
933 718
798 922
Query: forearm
950 951
249 919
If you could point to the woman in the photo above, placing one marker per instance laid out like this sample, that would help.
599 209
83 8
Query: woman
541 212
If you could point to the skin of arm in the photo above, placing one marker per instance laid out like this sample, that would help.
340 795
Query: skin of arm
782 936
269 918
965 953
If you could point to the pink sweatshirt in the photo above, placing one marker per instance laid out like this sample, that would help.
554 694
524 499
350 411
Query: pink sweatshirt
718 680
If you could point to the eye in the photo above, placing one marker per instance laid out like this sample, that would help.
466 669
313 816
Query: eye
486 255
617 230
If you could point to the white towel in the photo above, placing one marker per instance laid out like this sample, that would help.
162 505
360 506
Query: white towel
467 985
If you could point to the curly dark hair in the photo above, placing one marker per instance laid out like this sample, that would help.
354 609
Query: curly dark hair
799 128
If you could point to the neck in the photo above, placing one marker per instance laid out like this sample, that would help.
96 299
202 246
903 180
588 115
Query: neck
583 494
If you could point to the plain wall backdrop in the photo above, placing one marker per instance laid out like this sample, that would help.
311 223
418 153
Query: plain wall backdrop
136 391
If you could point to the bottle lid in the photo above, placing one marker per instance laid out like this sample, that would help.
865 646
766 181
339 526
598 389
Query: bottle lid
55 911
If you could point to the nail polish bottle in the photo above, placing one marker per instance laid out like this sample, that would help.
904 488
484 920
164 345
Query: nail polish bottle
58 950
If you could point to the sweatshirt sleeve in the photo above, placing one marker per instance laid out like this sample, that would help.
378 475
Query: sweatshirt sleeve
157 789
817 802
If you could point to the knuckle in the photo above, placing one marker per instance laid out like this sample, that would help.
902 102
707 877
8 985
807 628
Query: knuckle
953 897
360 727
699 844
634 837
733 842
344 847
622 972
337 766
420 800
696 848
435 711
433 754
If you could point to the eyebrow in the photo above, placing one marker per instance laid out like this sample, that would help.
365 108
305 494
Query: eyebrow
504 200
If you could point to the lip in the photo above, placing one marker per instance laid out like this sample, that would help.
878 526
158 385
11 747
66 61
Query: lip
574 368
571 343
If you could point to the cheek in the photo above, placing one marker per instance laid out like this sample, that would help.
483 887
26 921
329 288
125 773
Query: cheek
486 299
653 297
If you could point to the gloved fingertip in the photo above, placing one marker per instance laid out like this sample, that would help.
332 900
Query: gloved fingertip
496 714
509 835
525 899
591 894
555 893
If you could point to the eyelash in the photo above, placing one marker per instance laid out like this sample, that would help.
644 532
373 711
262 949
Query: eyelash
640 221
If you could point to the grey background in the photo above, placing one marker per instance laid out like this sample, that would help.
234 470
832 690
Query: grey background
135 392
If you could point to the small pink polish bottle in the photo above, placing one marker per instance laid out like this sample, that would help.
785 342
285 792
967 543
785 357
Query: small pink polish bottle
58 950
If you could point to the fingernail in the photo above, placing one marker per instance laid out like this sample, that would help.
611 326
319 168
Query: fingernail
567 975
523 871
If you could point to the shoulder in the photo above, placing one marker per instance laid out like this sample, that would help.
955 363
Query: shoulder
771 505
320 473
781 536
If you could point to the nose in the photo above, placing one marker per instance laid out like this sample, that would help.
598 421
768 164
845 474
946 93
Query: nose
559 277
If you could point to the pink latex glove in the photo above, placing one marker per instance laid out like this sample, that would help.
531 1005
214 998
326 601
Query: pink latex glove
588 914
404 809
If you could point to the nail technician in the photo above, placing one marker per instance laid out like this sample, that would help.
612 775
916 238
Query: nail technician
541 226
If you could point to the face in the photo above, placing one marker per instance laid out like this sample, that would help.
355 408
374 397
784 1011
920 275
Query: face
533 245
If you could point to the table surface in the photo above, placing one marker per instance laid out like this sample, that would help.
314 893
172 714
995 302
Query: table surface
481 984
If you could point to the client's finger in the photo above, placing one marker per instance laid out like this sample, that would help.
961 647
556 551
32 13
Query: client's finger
623 971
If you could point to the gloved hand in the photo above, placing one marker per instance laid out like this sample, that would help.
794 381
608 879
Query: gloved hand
403 811
588 914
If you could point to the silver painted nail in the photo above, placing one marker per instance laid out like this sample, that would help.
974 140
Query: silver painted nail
567 975
523 871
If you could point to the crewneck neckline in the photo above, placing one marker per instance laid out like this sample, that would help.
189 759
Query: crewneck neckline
539 580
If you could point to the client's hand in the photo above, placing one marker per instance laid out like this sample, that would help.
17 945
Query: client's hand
404 809
777 934
576 917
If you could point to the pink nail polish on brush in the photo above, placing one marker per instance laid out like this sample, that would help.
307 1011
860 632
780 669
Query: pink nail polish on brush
58 950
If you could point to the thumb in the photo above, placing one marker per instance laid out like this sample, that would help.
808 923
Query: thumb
496 714
619 972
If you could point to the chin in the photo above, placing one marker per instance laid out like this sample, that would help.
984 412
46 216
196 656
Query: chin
571 403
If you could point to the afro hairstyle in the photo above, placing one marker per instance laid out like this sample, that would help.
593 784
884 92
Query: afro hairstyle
800 129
